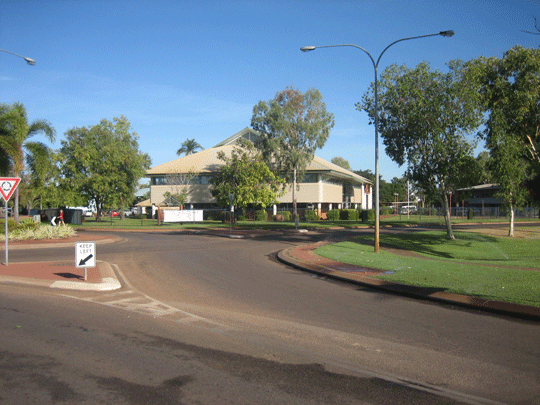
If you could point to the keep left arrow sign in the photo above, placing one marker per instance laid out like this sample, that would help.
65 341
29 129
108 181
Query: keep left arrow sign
85 254
83 261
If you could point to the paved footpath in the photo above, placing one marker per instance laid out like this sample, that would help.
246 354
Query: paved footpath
65 275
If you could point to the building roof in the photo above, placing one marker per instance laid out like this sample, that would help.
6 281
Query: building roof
246 133
493 186
207 161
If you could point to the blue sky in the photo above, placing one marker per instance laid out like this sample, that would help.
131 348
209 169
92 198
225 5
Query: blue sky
195 69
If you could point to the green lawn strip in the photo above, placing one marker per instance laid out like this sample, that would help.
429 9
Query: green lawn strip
133 223
469 247
447 274
394 221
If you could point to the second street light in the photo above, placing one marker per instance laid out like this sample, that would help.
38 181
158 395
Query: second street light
376 113
30 61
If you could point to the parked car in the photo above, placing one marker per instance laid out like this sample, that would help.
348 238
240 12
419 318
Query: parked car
114 213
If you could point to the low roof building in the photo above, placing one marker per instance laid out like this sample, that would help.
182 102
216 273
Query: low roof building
325 185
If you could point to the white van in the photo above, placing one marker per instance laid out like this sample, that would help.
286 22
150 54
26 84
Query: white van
408 209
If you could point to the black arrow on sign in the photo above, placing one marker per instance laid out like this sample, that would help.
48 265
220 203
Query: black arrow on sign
83 261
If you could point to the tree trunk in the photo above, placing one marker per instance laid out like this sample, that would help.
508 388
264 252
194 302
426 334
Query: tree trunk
511 230
295 210
447 219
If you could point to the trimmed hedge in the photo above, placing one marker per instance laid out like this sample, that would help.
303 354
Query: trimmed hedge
311 215
348 215
282 216
332 215
261 215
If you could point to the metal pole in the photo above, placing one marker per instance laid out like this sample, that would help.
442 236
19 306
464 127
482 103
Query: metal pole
6 230
376 112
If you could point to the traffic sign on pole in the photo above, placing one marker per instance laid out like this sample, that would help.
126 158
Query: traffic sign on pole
85 255
8 185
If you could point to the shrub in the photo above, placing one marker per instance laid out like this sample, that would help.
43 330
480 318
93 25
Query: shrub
212 215
387 210
332 215
261 215
23 225
282 216
12 225
370 215
242 217
348 215
40 232
311 215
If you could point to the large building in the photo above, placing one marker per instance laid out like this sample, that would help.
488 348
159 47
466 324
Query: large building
325 185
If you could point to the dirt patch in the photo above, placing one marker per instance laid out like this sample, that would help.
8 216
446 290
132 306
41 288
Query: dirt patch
519 232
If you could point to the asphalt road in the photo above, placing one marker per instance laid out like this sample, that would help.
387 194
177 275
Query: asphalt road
262 332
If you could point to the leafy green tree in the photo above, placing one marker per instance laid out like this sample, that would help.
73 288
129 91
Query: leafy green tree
103 162
248 177
509 87
368 174
15 130
508 167
292 125
485 176
178 182
189 146
423 118
341 162
510 90
43 180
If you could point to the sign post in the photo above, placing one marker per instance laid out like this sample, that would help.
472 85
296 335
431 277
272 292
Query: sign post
85 255
7 186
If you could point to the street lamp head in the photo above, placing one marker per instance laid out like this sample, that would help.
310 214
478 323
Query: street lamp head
308 48
30 61
448 33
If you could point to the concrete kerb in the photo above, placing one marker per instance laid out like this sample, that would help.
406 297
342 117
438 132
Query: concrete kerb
516 310
109 281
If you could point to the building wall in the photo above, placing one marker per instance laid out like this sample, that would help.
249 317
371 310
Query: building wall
314 193
308 193
196 194
357 194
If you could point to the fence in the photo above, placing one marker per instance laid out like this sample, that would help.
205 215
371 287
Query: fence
456 212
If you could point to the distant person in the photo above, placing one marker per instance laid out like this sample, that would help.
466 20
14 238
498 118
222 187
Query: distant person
61 218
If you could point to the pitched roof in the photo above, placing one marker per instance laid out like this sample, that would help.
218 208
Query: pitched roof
247 133
207 161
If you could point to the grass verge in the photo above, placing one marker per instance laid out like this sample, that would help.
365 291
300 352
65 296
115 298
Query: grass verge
486 266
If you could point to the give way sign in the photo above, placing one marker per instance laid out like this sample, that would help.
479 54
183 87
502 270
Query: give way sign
8 186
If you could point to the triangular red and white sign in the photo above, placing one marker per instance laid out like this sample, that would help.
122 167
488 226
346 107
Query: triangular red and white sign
8 186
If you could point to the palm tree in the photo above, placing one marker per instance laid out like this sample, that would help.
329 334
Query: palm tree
189 146
14 133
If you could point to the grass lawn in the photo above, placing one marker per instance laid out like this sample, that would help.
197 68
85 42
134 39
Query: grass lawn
133 223
476 264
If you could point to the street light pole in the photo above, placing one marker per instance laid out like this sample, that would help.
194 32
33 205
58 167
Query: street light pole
376 112
30 61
